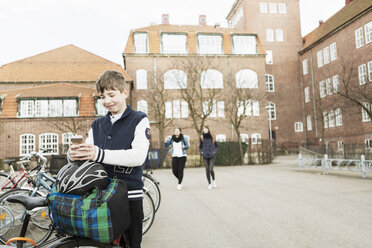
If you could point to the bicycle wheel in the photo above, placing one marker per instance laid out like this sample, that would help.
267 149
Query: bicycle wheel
5 183
39 228
6 220
153 188
148 212
70 242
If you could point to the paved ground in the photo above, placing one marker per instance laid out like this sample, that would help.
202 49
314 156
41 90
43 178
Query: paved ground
273 205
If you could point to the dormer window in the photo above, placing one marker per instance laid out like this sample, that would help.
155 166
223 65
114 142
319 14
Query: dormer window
174 43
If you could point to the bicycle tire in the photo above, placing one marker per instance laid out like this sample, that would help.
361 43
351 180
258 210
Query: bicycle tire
37 230
152 185
71 242
148 212
4 179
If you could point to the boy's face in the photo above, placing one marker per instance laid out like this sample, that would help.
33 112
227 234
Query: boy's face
114 100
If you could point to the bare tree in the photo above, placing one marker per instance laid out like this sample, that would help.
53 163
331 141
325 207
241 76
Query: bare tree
68 124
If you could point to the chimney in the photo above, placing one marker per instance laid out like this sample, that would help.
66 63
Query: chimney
165 19
202 20
321 22
217 25
348 1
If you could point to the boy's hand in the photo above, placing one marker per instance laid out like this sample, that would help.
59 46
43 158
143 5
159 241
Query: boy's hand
83 152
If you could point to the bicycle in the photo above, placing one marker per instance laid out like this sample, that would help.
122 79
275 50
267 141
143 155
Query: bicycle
152 185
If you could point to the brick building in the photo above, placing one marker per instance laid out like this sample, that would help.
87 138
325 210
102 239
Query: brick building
335 57
47 97
235 59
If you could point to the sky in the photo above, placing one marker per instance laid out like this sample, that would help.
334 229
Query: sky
30 27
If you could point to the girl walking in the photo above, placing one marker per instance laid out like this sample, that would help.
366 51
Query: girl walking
208 148
178 145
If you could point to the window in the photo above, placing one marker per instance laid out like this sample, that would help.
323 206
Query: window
331 118
244 138
256 138
368 32
338 114
368 143
142 106
174 43
221 138
210 44
175 79
49 141
307 94
326 55
27 144
269 35
140 42
48 108
244 44
333 51
100 109
365 116
322 89
269 57
263 7
309 123
336 84
340 145
211 79
269 83
370 71
325 119
141 76
272 7
279 35
176 109
329 86
359 40
66 142
246 79
282 8
214 108
304 67
299 127
319 55
362 73
272 111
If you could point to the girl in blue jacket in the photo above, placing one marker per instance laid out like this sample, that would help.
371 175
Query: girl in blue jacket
208 148
178 145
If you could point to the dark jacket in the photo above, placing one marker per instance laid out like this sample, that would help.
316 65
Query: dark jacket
207 147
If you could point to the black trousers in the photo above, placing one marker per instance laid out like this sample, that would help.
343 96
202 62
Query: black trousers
134 232
178 165
209 164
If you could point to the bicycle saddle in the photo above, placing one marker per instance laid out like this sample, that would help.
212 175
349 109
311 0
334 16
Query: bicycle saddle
29 202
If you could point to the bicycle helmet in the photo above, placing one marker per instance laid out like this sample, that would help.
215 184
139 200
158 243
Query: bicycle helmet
78 179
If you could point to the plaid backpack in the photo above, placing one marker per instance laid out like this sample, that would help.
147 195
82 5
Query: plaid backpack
103 215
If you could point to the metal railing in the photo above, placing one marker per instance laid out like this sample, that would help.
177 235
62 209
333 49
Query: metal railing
314 160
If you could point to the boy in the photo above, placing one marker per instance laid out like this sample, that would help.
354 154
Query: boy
119 140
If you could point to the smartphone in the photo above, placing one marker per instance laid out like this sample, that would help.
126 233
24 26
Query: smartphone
77 139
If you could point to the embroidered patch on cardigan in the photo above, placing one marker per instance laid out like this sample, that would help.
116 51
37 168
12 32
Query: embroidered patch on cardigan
147 132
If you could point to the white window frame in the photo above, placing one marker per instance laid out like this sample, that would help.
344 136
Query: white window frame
269 57
270 85
176 109
368 144
319 56
141 77
309 123
66 142
338 115
221 137
184 109
211 79
365 116
221 109
27 108
326 55
333 49
329 87
244 44
279 36
175 79
209 44
49 141
140 41
41 108
244 138
55 107
282 8
331 118
168 110
369 71
325 119
142 106
100 109
298 127
359 39
304 67
272 111
263 7
322 89
27 144
272 8
340 146
368 32
172 43
69 107
307 94
336 84
256 138
362 74
269 35
246 79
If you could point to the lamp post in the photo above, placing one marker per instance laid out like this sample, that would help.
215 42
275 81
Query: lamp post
269 108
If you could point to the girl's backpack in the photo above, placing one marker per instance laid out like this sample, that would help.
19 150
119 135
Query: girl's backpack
101 215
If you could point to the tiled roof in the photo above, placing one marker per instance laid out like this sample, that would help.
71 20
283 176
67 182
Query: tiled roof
57 90
155 31
342 17
65 64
